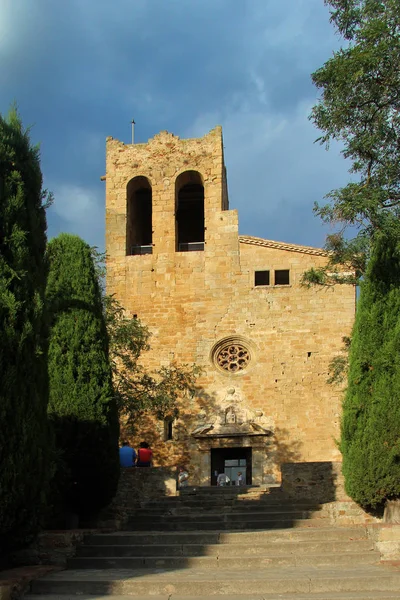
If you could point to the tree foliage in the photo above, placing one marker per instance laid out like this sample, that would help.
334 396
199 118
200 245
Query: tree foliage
339 365
370 440
82 406
360 108
24 436
137 390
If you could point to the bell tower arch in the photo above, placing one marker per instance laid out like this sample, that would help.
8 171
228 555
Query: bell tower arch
139 231
189 198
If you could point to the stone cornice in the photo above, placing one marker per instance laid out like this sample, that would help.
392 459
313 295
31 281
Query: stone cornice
255 241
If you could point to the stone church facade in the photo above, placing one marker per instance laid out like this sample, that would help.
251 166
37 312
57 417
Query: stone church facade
232 304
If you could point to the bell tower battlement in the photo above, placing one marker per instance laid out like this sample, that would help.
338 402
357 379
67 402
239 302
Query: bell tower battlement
162 197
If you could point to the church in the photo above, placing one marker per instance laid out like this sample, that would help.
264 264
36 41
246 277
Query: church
232 304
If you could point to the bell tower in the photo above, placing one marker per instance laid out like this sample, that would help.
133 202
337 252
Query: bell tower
167 217
160 196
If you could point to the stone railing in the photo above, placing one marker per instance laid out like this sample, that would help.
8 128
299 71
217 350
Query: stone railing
137 485
316 481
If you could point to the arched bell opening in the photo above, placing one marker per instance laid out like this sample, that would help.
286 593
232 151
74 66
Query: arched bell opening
189 212
139 209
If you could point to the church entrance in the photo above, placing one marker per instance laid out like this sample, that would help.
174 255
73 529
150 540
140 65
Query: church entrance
231 461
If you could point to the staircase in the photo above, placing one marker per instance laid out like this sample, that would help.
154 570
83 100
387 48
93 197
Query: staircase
235 543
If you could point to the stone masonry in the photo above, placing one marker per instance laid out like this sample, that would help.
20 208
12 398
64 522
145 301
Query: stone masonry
264 349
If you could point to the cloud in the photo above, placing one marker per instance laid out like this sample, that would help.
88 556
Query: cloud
80 70
81 209
275 170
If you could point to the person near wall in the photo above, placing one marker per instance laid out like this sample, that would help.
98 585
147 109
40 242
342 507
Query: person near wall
183 478
127 455
144 455
240 480
222 479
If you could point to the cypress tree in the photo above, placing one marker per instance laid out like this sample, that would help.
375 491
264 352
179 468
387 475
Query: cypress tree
24 439
82 407
370 440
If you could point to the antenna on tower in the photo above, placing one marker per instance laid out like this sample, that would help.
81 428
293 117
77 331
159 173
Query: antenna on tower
133 131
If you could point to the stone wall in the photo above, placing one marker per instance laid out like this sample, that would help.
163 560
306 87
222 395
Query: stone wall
51 548
15 583
317 481
193 301
386 538
136 485
322 484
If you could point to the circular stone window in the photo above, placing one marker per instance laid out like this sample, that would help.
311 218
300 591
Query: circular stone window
231 355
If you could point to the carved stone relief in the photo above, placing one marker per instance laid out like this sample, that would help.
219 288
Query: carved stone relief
232 416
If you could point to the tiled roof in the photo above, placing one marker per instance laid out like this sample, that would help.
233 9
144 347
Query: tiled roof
255 241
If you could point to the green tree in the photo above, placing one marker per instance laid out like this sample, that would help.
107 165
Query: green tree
370 440
24 435
82 406
360 108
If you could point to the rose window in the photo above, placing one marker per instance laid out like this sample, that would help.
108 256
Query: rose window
233 358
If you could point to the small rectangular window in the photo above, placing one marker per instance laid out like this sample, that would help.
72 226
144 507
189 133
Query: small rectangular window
261 278
168 430
282 277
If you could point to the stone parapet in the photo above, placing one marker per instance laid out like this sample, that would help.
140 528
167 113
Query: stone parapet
386 538
51 548
318 481
14 583
137 485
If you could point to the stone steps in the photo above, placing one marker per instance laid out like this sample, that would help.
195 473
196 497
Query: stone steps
232 509
218 495
236 514
374 595
190 582
223 494
328 546
249 551
224 499
244 490
199 517
279 548
265 561
176 517
344 534
257 516
225 524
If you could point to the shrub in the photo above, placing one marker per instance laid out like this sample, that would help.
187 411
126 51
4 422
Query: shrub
82 407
